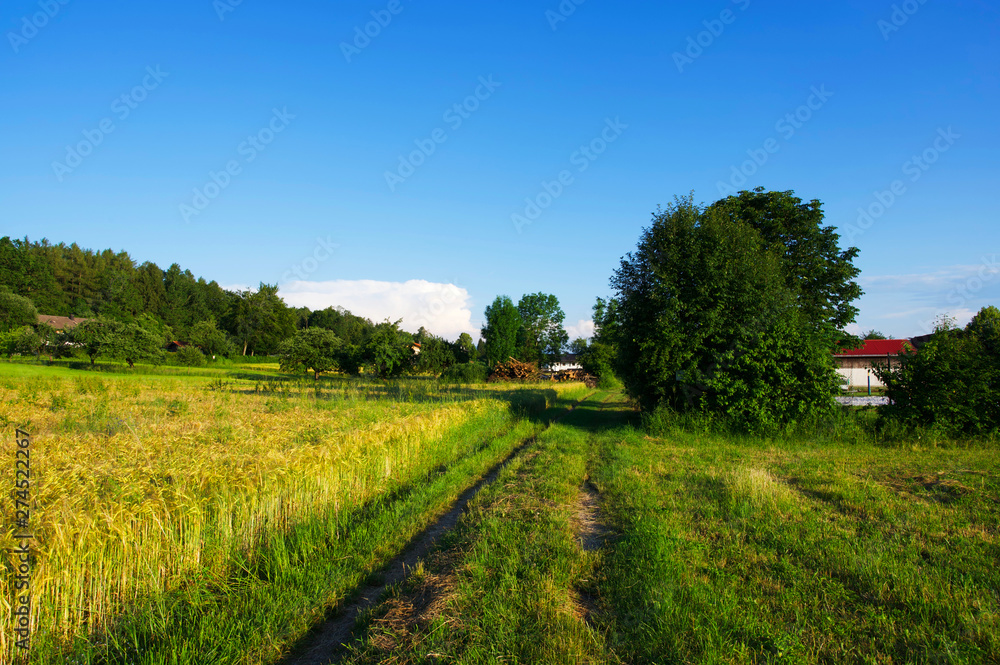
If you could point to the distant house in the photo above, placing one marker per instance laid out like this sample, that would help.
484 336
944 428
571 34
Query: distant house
60 324
175 346
415 347
855 365
566 362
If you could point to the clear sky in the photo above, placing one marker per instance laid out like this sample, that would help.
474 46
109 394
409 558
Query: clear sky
252 140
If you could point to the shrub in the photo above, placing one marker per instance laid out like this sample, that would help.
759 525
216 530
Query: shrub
191 356
952 383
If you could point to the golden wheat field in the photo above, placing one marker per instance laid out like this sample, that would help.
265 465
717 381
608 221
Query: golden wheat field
140 484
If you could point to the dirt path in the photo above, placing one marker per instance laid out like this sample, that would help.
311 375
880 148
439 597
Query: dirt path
326 643
590 530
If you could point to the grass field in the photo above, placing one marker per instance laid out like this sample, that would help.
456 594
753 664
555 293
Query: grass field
217 516
719 551
205 518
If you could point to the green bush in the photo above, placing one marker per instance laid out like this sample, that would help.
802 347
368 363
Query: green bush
191 356
465 373
952 383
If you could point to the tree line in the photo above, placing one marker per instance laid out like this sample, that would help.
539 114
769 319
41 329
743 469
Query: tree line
132 311
733 311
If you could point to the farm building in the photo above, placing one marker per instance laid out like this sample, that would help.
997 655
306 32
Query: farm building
854 365
566 362
60 324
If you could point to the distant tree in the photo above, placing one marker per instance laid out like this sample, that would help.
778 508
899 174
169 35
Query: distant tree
131 343
154 326
212 341
91 336
598 357
952 382
351 329
874 334
260 320
578 346
15 311
23 341
313 349
542 336
118 340
435 355
191 356
465 349
387 352
503 322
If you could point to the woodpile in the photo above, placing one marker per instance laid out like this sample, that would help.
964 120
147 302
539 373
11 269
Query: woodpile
515 370
580 375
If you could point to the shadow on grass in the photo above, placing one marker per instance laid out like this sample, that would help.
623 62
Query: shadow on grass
594 416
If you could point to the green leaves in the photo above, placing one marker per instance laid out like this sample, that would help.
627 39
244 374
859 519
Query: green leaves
717 310
314 349
952 382
503 322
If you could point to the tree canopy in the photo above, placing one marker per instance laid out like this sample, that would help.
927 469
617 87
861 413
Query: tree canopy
710 313
313 349
503 322
541 338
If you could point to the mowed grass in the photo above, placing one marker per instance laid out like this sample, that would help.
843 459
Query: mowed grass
720 551
758 552
178 520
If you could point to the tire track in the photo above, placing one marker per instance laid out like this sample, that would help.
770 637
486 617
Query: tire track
326 644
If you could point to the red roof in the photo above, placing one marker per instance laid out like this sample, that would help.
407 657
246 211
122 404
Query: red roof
879 347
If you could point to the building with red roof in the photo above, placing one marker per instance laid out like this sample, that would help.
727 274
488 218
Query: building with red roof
855 365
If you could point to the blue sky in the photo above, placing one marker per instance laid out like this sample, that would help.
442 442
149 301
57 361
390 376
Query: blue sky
275 142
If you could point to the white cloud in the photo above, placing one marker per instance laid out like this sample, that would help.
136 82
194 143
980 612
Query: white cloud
583 328
443 309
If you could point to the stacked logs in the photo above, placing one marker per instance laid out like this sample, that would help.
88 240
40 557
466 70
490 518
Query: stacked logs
575 375
514 370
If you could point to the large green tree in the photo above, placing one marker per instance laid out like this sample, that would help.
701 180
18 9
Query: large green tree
542 337
313 349
260 320
503 322
708 315
15 311
388 352
820 275
110 338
